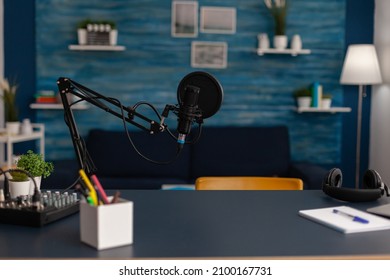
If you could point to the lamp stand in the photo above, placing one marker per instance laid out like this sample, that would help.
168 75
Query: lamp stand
362 90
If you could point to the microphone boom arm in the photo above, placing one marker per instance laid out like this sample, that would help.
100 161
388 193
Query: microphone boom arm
67 86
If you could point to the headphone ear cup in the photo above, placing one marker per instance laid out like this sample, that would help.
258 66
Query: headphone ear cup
334 178
372 180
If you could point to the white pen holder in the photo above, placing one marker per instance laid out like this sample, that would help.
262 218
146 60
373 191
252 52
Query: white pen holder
107 226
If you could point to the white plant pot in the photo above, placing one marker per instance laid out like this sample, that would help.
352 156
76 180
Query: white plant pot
38 181
280 42
304 102
113 37
19 188
82 36
326 103
12 128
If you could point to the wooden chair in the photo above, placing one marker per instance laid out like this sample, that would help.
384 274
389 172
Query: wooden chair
248 183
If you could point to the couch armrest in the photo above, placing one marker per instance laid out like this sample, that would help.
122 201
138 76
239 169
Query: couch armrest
311 174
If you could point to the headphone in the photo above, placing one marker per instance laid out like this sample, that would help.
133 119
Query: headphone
373 187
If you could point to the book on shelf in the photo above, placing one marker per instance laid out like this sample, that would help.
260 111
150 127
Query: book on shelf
46 96
316 95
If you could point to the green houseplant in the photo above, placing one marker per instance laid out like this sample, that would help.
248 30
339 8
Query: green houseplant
10 108
278 10
326 101
9 98
303 96
35 164
18 176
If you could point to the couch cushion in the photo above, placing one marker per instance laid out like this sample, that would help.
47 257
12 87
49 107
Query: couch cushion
114 156
241 151
138 183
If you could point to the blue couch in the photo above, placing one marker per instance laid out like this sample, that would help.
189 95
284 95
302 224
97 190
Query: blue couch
220 151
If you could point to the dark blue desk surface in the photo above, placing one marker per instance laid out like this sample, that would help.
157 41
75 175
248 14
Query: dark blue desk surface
175 224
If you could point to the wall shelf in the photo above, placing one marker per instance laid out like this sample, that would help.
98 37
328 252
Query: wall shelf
323 110
284 51
56 106
96 48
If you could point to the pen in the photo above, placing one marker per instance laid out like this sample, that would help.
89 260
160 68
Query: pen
116 197
91 189
100 189
353 217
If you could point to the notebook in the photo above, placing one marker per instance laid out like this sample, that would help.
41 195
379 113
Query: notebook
383 210
346 219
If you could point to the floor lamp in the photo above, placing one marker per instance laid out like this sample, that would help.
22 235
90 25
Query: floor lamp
360 68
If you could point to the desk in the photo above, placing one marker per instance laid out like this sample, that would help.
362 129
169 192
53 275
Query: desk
218 224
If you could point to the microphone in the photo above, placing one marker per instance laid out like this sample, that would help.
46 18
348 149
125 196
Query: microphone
199 96
188 111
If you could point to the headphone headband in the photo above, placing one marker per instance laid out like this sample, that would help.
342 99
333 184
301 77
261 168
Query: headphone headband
373 189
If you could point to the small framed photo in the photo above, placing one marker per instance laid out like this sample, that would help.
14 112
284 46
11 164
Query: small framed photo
218 20
209 54
184 19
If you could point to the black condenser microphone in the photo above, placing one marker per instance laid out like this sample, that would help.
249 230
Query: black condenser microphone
199 96
188 111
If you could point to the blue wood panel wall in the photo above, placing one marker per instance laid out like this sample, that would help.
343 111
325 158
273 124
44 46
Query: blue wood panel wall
258 89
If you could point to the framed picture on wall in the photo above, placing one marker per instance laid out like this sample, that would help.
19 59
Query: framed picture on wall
184 19
208 54
218 20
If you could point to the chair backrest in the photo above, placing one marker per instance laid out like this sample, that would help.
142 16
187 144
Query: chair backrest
248 183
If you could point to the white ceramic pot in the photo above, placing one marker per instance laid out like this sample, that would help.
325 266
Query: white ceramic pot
280 42
19 188
38 181
82 36
326 103
13 128
304 102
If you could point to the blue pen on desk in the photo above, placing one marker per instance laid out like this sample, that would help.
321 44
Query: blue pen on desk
352 217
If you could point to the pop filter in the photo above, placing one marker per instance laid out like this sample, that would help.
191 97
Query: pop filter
210 94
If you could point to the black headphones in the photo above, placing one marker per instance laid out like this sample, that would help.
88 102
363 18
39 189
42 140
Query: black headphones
373 187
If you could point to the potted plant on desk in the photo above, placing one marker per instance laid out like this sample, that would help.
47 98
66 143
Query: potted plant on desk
36 166
19 184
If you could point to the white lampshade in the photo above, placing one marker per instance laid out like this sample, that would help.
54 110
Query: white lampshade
361 66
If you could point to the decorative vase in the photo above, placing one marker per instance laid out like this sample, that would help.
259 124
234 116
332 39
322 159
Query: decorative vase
280 42
17 188
113 37
12 128
296 42
26 127
38 181
263 41
304 101
82 36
